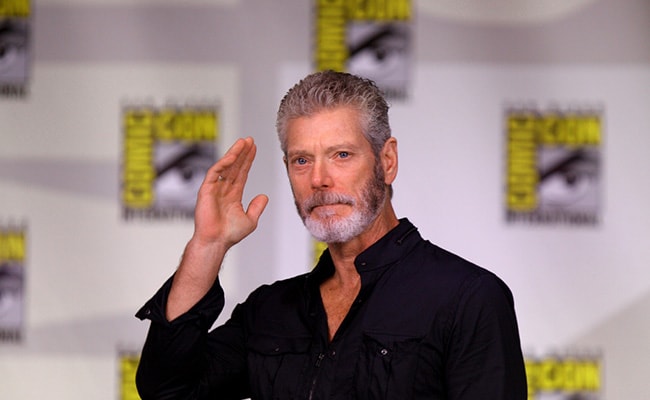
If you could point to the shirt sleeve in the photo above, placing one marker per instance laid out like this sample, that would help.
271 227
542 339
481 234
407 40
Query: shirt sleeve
485 359
180 359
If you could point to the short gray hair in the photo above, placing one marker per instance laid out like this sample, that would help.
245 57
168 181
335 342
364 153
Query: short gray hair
329 89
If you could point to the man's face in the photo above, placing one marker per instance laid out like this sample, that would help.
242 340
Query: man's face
337 184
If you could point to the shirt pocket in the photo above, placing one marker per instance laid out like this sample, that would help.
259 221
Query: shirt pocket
387 366
276 365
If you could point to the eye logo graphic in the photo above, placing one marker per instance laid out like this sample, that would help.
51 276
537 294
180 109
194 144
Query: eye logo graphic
553 166
12 282
166 153
370 39
14 48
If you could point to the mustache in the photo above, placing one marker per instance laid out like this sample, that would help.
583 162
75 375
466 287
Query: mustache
326 198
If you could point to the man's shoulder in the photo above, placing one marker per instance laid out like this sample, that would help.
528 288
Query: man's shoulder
437 259
434 269
434 258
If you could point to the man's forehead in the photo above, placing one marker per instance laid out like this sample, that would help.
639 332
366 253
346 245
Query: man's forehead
304 139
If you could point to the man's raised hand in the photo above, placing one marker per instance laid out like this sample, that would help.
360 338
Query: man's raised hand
220 216
220 221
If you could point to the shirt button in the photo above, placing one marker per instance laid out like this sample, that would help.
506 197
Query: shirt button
277 349
383 352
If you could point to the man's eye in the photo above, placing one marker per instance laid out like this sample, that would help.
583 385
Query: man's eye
301 161
344 154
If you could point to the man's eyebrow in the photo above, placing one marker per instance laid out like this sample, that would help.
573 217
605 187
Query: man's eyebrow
338 146
294 152
343 145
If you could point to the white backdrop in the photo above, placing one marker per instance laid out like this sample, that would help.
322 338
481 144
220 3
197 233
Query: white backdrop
575 288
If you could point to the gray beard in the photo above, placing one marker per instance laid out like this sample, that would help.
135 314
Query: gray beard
339 229
343 229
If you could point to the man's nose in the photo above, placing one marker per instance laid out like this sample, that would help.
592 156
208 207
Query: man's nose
320 175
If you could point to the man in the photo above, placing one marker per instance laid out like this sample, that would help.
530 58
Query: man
384 315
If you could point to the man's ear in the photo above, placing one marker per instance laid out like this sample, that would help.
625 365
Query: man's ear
284 160
389 160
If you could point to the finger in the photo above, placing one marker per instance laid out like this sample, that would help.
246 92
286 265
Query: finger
220 168
231 180
236 147
245 162
256 207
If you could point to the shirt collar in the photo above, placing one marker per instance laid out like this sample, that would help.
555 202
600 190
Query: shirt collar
383 253
390 248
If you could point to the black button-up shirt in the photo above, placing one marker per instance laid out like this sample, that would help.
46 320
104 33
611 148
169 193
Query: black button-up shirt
426 324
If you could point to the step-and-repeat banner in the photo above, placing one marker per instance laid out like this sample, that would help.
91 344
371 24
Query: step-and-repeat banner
522 135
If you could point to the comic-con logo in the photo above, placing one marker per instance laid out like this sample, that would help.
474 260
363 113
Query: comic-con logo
128 364
564 378
14 49
553 166
166 152
366 38
12 282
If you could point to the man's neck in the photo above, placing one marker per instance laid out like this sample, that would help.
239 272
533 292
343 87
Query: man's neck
344 254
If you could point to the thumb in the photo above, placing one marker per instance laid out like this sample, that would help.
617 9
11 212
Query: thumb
257 206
